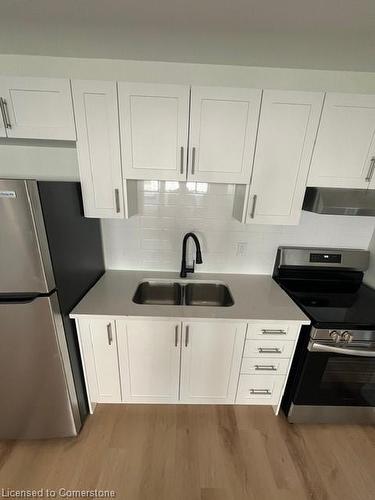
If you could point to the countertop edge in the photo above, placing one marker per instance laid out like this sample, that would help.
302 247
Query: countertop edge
189 318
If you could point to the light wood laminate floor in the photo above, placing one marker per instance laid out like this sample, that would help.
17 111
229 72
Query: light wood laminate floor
158 452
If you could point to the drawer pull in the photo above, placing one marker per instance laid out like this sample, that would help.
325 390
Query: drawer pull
273 332
267 350
266 368
266 392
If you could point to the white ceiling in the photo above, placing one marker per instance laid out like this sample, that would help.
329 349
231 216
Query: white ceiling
326 34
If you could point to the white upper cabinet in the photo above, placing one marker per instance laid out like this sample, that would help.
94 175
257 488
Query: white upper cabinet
149 353
37 108
99 348
154 130
223 127
210 361
345 144
287 130
98 148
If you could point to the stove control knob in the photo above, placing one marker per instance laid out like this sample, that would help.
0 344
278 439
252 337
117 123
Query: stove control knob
346 336
335 336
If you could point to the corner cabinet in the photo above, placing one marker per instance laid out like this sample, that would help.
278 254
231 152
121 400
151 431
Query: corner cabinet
287 130
36 108
98 148
344 155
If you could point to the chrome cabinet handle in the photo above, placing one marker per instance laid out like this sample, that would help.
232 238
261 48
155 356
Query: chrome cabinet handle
181 160
371 169
252 213
266 368
186 336
5 113
260 391
193 151
109 333
263 350
273 332
117 200
176 336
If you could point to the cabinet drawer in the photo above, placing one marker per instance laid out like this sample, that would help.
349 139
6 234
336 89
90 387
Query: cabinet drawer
260 389
265 366
272 331
268 348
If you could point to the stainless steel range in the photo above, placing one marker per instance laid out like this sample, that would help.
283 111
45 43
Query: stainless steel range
332 378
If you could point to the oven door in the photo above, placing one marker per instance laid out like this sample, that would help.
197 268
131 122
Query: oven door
337 376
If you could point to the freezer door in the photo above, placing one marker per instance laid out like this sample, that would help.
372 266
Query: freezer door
25 264
36 385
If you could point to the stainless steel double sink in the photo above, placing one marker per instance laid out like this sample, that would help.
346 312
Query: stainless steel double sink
178 293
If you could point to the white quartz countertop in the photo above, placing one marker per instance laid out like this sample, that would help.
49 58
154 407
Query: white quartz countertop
256 297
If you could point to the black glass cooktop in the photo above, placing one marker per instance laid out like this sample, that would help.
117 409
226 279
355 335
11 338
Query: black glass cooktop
342 301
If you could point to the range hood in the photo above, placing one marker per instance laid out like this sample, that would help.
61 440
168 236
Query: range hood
340 201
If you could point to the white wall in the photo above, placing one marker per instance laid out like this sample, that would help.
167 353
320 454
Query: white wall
153 239
199 74
43 160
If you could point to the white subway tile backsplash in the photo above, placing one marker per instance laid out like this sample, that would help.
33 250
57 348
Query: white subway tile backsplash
169 209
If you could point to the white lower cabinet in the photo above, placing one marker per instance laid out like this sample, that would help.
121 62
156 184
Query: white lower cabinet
267 355
260 389
174 361
210 361
149 353
99 355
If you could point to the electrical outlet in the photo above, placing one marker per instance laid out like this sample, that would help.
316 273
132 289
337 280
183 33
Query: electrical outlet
241 249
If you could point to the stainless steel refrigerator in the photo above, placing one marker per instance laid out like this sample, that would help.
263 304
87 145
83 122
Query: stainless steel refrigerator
50 256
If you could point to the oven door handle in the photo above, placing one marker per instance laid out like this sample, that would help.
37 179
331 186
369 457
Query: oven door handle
317 347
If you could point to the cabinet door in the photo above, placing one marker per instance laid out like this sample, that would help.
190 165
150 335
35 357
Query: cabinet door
99 353
154 130
345 143
149 353
223 127
210 361
98 148
38 108
287 130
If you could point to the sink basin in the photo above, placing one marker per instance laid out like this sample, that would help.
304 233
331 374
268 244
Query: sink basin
208 294
158 293
175 293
